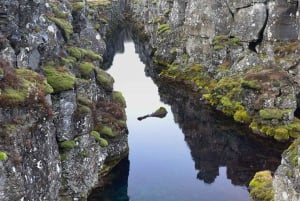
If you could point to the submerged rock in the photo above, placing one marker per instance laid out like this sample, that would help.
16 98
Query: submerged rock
160 113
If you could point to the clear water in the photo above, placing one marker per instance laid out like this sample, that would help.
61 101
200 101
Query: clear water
165 164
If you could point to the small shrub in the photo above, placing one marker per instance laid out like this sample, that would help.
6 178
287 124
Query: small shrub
3 156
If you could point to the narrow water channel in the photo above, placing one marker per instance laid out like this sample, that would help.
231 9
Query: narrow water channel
198 158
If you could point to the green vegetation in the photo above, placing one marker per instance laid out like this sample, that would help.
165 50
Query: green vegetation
81 53
59 79
222 41
261 186
98 3
84 100
164 28
85 68
242 116
104 79
292 153
252 84
69 144
107 131
3 156
22 86
57 12
63 156
64 25
76 6
119 98
273 113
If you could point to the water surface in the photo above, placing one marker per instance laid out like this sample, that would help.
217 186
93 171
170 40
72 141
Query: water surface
193 154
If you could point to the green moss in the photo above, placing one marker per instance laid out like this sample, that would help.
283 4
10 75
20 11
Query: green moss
84 109
281 134
222 41
96 135
69 144
85 68
104 79
64 25
103 142
81 53
292 153
60 81
77 6
3 156
68 60
119 98
99 3
241 116
63 156
57 12
273 113
107 131
251 84
164 28
261 186
84 100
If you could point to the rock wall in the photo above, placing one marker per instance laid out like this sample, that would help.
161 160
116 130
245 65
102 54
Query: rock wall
241 56
62 125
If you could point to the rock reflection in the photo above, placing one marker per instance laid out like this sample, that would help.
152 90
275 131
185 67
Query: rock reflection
215 141
114 186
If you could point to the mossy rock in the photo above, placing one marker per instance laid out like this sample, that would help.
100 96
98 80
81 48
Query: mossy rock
242 116
59 80
81 53
3 156
281 134
107 131
64 25
85 68
69 144
119 98
76 6
164 28
273 113
261 187
104 79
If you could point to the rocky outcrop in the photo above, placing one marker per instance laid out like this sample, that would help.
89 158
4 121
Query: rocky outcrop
241 56
61 122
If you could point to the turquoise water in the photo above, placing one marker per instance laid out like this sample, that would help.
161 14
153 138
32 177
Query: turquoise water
198 158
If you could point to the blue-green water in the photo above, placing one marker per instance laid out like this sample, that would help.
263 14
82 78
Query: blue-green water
201 157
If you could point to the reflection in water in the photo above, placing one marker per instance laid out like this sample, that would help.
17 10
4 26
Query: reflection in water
215 141
162 165
115 188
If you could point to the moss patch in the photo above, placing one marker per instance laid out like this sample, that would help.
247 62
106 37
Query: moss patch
107 131
119 98
104 79
164 28
60 80
3 156
64 25
222 41
67 145
85 68
261 186
81 53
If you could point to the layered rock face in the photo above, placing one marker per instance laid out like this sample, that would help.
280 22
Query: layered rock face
242 56
62 125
